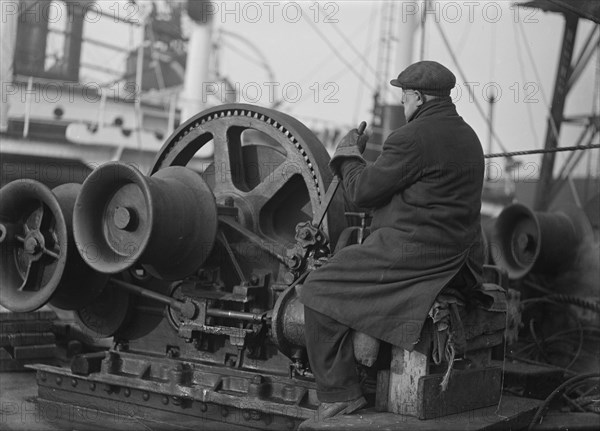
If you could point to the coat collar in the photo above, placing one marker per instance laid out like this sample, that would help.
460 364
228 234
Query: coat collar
441 106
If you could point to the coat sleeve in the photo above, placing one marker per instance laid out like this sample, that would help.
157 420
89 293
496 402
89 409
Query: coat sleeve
397 167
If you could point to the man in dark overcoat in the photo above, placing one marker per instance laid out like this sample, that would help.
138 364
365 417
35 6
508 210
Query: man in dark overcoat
425 192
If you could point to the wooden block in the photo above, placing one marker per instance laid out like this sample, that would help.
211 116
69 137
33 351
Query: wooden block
34 352
478 321
406 368
481 358
383 390
485 341
8 363
467 390
26 338
44 313
532 381
9 327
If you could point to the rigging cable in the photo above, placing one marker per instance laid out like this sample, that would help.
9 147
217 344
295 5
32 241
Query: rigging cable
423 41
263 60
349 42
305 95
328 58
462 75
358 103
334 50
539 80
523 76
542 151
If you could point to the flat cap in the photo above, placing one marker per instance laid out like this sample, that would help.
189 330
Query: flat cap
429 77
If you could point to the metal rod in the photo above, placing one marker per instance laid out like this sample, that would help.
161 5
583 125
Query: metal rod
177 305
335 183
232 257
92 41
28 96
238 315
273 249
167 300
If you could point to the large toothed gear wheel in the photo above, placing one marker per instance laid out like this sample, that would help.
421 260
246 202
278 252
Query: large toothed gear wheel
268 165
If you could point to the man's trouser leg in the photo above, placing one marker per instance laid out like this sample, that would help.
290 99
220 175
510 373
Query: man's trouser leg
331 356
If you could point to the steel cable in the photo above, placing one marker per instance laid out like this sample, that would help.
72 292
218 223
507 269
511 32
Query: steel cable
542 151
555 392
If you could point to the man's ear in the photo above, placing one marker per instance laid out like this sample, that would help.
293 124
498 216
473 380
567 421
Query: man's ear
420 98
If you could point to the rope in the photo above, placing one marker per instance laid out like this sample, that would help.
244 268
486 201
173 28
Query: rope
450 353
542 151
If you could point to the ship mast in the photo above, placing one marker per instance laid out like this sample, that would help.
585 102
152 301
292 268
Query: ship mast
566 76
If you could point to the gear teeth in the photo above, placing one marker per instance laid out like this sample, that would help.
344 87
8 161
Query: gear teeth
259 116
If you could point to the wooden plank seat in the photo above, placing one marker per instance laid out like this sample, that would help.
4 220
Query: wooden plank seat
449 371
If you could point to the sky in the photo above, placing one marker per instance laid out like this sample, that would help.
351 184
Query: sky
498 47
324 61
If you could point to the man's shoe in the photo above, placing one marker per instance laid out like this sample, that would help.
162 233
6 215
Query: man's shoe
329 410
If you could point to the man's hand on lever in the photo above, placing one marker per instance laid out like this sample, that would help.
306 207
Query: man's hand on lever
355 137
351 145
355 140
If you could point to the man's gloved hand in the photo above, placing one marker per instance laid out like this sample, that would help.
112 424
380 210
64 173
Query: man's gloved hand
353 138
351 146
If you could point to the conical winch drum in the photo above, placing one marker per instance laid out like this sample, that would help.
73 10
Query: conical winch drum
40 263
540 242
166 222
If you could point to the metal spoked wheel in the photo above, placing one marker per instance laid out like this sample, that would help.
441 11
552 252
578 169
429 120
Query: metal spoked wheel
267 164
34 245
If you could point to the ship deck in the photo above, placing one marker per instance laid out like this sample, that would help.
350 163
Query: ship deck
21 409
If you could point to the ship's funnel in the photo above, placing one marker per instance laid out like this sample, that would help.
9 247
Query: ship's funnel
541 242
166 222
40 263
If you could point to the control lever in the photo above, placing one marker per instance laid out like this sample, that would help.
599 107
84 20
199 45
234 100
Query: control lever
335 183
